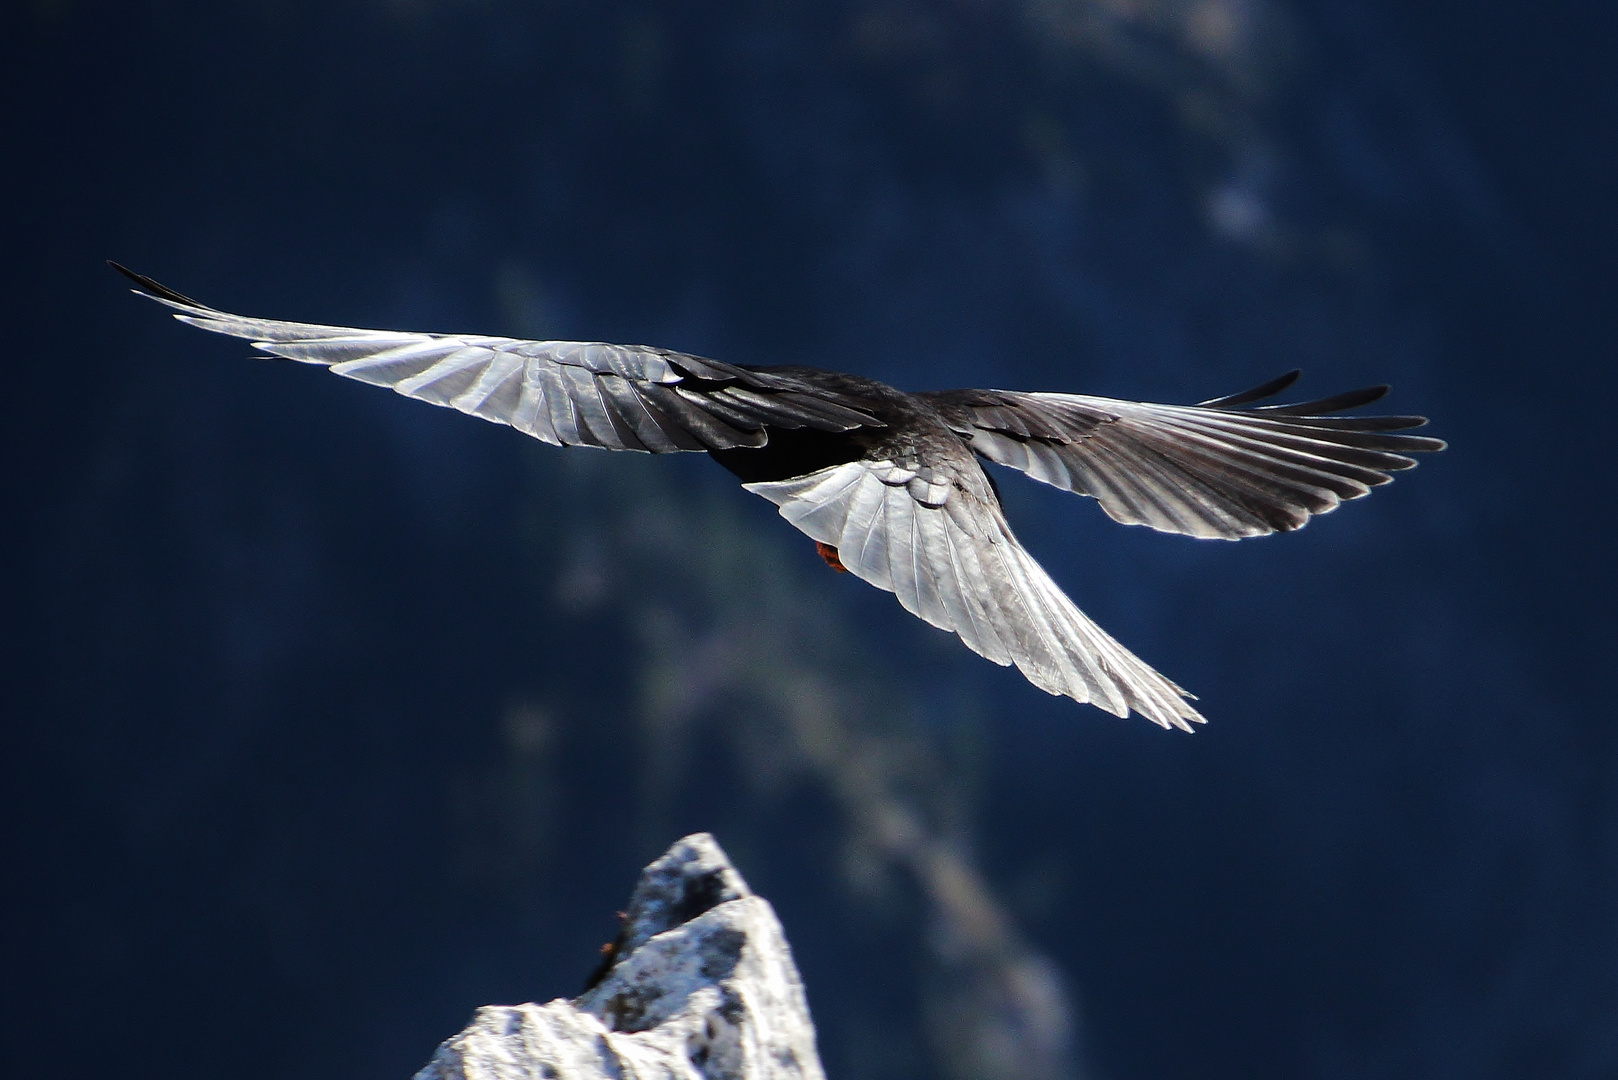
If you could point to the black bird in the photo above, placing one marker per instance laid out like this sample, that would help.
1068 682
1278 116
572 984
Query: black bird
888 484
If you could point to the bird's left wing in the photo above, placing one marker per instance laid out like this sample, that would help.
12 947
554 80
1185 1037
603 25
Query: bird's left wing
935 537
568 393
1219 469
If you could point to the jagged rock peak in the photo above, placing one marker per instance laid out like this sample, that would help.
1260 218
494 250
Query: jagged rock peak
700 985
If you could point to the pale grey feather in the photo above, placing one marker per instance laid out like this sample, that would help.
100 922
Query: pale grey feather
986 588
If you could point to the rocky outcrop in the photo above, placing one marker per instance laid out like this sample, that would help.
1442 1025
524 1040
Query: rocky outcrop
700 985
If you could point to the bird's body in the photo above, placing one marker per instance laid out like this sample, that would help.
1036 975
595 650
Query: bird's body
889 484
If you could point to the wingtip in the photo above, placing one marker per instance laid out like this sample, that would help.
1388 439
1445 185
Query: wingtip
1257 393
1175 715
148 287
1344 402
1189 720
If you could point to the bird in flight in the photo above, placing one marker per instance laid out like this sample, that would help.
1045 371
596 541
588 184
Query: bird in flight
889 484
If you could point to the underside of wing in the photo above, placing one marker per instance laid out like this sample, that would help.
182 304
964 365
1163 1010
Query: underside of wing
568 393
1223 469
945 550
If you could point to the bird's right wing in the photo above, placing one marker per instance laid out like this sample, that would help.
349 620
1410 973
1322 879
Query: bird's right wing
569 393
936 539
1216 470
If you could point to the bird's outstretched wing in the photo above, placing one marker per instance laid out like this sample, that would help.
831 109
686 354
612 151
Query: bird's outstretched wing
934 535
1217 470
569 393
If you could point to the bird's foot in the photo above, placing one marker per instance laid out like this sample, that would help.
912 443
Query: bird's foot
829 553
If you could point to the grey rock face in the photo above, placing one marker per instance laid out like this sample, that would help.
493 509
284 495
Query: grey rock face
700 985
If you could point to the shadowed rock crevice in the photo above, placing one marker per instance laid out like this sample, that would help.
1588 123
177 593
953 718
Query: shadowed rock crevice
700 985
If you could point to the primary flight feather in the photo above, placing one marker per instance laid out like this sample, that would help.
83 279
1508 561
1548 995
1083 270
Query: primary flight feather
888 483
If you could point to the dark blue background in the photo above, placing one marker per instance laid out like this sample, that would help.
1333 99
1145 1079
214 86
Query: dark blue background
324 712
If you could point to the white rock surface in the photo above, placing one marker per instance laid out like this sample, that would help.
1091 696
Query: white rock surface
700 985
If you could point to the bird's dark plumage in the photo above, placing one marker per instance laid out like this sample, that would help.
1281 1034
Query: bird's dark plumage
888 483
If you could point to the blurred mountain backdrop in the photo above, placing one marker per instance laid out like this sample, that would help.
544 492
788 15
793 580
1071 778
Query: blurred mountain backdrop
329 717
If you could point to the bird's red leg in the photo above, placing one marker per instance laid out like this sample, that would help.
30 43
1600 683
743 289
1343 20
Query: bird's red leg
829 553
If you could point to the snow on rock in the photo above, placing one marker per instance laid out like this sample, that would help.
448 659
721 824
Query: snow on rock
700 985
